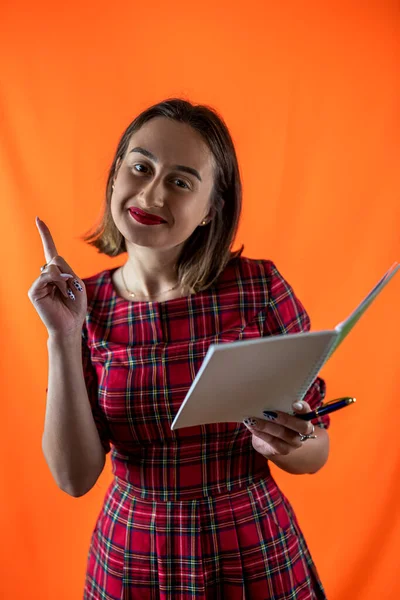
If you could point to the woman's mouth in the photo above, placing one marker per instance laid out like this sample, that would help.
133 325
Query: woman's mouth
145 218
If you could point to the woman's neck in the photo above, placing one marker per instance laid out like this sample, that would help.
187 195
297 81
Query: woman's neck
149 272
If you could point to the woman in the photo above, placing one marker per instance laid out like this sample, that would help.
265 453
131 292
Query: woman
191 513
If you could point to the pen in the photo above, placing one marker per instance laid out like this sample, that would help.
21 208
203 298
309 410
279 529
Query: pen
327 408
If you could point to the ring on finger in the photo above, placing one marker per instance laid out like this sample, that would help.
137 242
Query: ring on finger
310 436
47 264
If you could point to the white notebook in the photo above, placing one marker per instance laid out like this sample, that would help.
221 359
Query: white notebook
243 378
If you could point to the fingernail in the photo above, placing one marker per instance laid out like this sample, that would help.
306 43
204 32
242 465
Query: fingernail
298 405
250 422
70 294
65 275
77 285
270 414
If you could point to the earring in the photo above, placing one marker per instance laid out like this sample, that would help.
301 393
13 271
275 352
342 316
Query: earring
204 222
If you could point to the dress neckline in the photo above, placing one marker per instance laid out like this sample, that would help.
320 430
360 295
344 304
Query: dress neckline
142 303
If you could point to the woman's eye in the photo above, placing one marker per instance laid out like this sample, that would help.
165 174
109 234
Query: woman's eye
181 183
140 168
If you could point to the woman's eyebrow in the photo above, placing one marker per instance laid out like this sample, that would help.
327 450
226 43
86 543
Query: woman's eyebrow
183 168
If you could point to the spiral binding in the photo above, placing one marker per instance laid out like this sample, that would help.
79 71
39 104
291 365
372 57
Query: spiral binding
316 369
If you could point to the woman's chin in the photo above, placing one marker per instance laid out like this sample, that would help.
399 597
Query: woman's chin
152 244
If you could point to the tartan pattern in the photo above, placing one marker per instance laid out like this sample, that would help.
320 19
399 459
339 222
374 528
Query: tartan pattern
192 513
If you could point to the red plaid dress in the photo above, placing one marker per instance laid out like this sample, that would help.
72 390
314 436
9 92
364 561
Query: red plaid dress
192 513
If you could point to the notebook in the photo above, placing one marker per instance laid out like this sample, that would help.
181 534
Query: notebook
246 377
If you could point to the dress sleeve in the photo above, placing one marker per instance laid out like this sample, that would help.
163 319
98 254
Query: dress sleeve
91 381
285 314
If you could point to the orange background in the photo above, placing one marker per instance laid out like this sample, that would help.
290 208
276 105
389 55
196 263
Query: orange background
310 91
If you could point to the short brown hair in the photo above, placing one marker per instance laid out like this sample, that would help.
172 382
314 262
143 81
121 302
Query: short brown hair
207 251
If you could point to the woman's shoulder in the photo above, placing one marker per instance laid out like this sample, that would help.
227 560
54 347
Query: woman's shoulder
98 285
250 270
261 273
96 279
245 288
248 280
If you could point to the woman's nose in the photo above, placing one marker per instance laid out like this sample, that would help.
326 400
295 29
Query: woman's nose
152 195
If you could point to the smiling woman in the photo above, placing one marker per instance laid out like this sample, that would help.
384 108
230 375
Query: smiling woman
194 512
178 162
158 188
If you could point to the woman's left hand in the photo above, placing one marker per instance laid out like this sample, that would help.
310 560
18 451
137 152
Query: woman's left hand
279 433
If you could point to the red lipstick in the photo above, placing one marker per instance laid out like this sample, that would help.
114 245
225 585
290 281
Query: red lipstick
145 218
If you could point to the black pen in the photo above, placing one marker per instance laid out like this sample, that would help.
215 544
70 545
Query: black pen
325 409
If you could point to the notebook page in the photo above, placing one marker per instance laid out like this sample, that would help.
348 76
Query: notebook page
244 378
346 326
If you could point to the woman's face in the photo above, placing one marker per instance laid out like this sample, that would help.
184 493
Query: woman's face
168 172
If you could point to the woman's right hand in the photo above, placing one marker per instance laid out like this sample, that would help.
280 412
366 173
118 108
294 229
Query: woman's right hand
51 293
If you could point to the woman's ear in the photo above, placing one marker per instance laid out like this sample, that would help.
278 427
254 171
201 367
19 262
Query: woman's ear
213 211
209 217
117 166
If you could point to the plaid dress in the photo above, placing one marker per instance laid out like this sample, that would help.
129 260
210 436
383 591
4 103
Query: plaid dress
192 513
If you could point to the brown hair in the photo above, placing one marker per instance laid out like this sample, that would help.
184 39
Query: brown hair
207 251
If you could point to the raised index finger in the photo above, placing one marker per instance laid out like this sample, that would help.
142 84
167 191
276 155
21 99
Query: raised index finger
49 247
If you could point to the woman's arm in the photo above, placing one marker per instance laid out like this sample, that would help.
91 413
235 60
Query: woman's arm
70 443
277 439
310 458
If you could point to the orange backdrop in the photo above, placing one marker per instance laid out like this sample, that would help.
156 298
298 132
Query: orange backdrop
310 91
